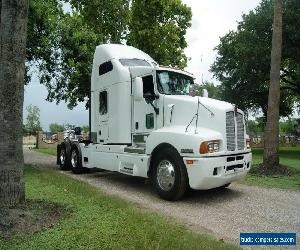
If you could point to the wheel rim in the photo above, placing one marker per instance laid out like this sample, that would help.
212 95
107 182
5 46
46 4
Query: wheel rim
165 175
74 159
63 156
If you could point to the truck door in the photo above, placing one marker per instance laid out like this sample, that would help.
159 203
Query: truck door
144 116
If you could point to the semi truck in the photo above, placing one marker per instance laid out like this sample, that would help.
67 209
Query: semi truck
144 122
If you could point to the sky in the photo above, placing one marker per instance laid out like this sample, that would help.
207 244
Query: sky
211 20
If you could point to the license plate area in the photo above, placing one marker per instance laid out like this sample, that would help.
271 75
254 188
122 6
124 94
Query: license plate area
234 167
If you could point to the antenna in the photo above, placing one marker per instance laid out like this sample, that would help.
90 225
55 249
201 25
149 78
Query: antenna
197 115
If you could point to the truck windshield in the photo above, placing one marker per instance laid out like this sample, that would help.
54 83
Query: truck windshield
172 83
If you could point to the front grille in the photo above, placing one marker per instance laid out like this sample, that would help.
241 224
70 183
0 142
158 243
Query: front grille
230 131
235 131
240 131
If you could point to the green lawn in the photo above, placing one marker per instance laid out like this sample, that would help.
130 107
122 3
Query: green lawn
100 221
289 156
49 151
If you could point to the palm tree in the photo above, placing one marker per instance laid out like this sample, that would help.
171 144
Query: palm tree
271 147
13 27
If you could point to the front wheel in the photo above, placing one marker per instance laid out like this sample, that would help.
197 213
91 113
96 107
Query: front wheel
169 174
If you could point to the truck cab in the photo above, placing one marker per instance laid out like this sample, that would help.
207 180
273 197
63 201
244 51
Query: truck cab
143 122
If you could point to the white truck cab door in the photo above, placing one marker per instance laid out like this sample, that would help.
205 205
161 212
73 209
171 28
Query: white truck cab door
144 115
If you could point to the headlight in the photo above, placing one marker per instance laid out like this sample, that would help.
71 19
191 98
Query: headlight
209 147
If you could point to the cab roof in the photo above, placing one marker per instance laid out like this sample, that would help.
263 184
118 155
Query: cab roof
107 52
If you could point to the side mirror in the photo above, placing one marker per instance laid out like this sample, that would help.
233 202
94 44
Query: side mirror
138 89
205 93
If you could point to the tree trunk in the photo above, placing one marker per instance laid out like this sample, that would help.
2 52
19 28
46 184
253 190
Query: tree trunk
13 29
271 148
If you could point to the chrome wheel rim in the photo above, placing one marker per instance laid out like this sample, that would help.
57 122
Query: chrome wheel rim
62 156
74 159
165 175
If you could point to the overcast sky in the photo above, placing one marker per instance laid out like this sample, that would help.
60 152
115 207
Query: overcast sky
211 20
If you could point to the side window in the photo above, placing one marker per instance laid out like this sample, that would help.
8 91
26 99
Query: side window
103 103
148 85
105 67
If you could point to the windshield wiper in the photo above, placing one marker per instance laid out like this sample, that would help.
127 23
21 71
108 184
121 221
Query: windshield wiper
197 116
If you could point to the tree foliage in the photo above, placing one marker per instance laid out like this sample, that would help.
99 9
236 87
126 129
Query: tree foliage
62 45
289 126
214 91
106 18
43 38
255 127
158 27
243 62
55 128
33 124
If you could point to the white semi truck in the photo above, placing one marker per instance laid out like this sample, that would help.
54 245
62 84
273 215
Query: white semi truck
143 122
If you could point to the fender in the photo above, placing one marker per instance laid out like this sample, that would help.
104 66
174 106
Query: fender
186 143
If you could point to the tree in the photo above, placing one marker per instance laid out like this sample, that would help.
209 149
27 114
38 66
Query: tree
288 127
62 45
214 91
158 27
243 61
85 128
43 44
13 26
55 128
66 71
271 147
255 127
33 124
101 17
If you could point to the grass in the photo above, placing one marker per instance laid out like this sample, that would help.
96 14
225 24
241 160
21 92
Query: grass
100 221
289 156
49 151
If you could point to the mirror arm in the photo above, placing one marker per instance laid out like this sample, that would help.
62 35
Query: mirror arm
155 108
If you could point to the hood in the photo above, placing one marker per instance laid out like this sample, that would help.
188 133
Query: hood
180 110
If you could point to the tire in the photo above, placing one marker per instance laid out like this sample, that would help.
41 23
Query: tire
64 156
76 160
169 175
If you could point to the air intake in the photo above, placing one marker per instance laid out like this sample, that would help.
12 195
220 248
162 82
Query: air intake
230 131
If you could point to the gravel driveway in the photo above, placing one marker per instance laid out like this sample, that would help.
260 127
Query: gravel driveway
225 213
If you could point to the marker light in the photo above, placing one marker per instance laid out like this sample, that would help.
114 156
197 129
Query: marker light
209 147
248 143
189 162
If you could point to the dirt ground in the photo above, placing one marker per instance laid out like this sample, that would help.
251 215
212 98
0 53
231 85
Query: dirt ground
32 217
226 214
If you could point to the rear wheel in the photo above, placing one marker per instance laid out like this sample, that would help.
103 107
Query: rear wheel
169 175
64 156
76 161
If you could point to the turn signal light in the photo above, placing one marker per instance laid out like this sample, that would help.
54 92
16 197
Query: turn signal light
209 147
